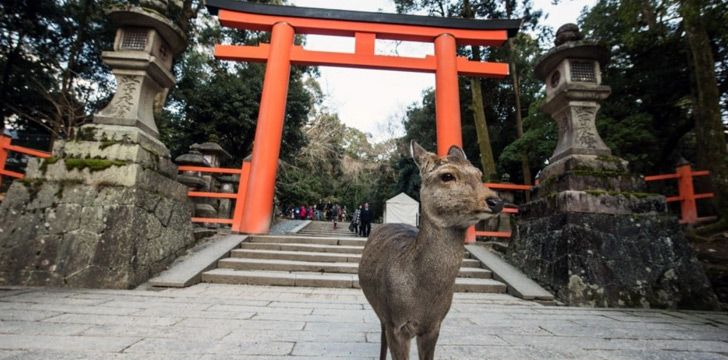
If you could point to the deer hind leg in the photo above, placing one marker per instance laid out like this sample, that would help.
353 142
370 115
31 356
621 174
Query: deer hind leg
383 347
399 343
426 343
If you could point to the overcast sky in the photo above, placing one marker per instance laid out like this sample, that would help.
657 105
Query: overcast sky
370 99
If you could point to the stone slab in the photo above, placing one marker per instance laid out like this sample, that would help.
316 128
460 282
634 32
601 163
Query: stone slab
305 247
299 227
479 285
189 271
518 283
288 265
296 255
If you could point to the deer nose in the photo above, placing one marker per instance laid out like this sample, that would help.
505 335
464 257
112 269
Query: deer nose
494 204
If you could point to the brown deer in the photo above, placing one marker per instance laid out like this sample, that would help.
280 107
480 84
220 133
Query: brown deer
408 276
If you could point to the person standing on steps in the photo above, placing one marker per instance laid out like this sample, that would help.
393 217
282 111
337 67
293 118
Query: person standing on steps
365 217
355 220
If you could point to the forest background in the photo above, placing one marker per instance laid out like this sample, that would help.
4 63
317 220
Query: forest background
668 74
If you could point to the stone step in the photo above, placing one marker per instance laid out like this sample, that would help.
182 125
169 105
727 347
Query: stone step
479 286
295 255
304 247
281 278
288 265
470 263
318 267
476 273
311 279
319 234
349 241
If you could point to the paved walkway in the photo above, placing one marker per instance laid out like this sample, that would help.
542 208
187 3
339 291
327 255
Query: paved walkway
209 321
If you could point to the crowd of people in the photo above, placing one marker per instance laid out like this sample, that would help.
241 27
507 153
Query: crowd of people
360 220
318 212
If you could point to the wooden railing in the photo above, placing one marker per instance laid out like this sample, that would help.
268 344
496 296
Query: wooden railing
508 210
686 192
239 197
6 147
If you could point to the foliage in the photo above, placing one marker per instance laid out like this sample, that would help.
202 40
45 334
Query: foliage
218 99
52 75
338 164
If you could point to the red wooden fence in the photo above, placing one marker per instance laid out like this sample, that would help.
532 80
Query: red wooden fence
6 147
686 192
239 197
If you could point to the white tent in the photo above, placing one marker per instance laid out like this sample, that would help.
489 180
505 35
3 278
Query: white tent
402 209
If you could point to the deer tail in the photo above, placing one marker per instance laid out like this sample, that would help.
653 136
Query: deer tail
383 348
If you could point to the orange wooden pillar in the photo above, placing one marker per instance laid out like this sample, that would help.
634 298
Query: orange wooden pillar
4 142
447 96
258 206
240 198
688 207
447 102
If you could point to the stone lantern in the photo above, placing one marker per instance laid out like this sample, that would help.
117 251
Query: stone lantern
141 60
590 234
572 72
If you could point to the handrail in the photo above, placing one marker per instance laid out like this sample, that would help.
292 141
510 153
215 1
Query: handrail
239 196
209 169
686 192
6 146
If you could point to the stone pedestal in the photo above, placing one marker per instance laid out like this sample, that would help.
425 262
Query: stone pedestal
590 235
105 212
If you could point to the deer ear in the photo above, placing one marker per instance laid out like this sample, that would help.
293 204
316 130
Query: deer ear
457 153
419 154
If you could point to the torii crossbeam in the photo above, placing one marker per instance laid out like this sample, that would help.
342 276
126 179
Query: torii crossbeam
257 189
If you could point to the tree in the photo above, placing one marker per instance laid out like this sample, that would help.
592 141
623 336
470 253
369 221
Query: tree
709 129
667 70
222 98
486 95
50 56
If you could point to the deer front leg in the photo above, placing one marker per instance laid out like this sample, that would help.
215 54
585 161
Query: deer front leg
399 343
426 343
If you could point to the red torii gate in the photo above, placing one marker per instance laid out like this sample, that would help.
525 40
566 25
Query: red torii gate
257 183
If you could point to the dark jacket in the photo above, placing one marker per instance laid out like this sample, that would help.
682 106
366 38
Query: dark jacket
366 215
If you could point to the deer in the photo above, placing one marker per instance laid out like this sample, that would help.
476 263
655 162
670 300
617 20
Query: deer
408 275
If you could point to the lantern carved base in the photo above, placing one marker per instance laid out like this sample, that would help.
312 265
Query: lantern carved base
610 259
104 212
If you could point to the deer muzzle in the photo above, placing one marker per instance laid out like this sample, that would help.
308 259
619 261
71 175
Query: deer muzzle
494 204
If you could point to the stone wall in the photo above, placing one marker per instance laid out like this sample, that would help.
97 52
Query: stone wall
104 212
71 234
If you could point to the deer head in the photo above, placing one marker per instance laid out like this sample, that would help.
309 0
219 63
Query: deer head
452 193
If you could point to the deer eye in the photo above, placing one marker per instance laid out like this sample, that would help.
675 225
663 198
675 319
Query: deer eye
446 177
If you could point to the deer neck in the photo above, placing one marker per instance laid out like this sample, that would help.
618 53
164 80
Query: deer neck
440 247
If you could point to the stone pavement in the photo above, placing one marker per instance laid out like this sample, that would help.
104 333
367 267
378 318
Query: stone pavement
209 321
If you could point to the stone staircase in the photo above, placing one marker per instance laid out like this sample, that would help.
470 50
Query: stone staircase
319 256
326 229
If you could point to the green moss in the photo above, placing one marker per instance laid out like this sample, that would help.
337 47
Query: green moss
86 134
48 161
106 143
639 195
609 158
92 164
598 172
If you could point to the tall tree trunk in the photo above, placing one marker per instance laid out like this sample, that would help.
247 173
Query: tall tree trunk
709 130
525 166
481 129
481 125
